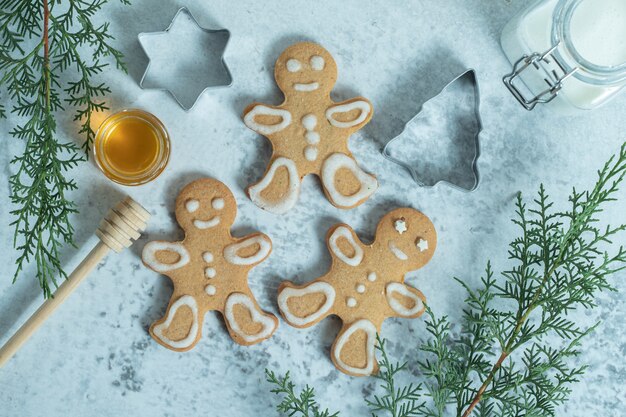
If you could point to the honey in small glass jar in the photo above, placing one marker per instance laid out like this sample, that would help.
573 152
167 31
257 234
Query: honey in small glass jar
131 147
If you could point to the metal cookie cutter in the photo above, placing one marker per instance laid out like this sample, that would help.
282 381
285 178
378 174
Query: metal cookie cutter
464 131
182 68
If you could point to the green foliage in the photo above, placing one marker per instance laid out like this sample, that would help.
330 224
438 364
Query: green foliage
302 404
513 355
42 44
396 402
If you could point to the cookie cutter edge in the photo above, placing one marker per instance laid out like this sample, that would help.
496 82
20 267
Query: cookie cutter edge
184 9
479 129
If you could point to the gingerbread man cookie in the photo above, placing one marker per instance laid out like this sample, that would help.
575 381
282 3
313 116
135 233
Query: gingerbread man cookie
364 286
209 269
309 133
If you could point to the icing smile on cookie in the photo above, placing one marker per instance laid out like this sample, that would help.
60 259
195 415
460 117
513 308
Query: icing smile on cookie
397 252
306 87
206 224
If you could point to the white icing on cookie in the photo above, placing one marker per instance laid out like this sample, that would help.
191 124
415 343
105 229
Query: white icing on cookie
306 87
309 121
185 300
312 137
316 287
317 63
400 226
207 257
206 224
331 166
361 105
192 205
149 255
260 109
351 302
343 231
370 329
210 272
371 277
422 244
230 251
210 289
293 65
397 305
360 288
396 251
258 317
291 196
217 203
310 153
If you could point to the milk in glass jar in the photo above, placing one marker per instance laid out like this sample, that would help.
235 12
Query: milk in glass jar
569 53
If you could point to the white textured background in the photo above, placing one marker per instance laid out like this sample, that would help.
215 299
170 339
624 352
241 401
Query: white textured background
94 356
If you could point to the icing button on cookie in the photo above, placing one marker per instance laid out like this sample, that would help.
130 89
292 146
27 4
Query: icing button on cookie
312 137
363 308
309 122
310 153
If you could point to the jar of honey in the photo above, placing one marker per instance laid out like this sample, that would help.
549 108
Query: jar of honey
131 147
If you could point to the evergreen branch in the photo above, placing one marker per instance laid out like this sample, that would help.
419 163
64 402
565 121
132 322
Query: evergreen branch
302 404
564 282
396 402
39 186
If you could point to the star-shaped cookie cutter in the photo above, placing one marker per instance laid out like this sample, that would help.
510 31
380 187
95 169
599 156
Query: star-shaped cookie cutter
222 32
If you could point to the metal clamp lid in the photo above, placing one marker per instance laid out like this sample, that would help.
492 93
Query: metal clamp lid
554 74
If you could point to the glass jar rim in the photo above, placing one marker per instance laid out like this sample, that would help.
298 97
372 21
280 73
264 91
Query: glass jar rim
162 158
587 70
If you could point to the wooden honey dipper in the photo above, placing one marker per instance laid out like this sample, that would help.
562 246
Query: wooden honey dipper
122 225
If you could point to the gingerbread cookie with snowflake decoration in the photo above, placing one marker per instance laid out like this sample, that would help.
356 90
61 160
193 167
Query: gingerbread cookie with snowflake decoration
309 134
209 269
364 286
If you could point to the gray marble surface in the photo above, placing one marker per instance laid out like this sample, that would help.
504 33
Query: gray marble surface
94 357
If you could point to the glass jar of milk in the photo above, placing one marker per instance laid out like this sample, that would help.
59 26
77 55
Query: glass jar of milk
569 53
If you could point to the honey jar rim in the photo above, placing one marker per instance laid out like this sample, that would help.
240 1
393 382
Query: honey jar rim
146 176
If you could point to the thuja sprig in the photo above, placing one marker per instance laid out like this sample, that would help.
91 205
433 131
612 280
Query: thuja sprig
502 363
396 401
301 404
40 41
560 265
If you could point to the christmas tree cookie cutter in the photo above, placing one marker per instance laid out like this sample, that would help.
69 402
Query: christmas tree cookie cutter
175 67
467 132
